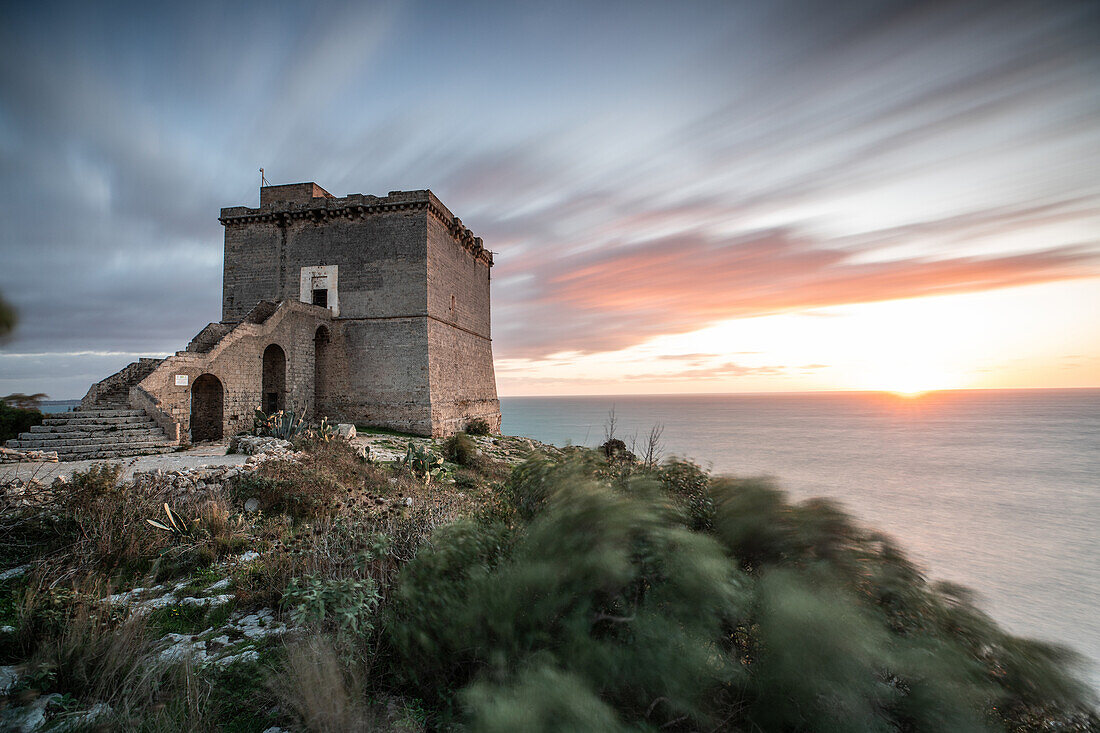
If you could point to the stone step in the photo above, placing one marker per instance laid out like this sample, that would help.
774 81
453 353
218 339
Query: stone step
52 424
101 455
37 443
71 448
104 412
34 439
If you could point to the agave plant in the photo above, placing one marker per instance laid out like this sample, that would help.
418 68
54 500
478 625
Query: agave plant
422 462
176 524
284 424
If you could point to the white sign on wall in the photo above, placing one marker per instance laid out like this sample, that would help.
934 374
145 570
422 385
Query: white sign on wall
181 380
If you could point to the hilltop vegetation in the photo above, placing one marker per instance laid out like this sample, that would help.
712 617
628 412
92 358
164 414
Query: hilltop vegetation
575 590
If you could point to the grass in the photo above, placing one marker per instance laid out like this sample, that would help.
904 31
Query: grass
187 619
374 430
241 697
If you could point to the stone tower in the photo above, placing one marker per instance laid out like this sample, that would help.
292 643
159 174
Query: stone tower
407 286
363 309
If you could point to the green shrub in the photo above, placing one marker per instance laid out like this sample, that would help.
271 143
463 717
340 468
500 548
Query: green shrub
348 604
298 491
600 608
14 420
601 588
478 426
460 449
539 699
689 485
530 484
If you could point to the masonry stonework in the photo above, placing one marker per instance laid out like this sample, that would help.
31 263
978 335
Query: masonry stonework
364 309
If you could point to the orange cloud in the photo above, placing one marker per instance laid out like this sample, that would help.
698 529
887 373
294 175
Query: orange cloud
621 296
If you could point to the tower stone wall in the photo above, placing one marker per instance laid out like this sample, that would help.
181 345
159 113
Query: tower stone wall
407 285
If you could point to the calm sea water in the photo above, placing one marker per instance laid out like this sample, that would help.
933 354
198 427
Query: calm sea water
997 490
58 406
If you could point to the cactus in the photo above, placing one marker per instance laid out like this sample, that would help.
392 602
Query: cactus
422 462
324 432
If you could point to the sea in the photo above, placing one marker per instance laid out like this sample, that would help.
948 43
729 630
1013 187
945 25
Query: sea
998 490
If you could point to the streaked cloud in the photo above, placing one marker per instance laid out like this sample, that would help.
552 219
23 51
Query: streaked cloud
641 170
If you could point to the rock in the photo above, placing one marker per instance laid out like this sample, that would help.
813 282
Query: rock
131 595
14 572
183 649
408 501
8 677
8 455
30 718
249 556
252 505
220 585
345 430
85 720
254 445
250 655
211 601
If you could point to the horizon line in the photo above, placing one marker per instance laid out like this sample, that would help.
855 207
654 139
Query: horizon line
815 392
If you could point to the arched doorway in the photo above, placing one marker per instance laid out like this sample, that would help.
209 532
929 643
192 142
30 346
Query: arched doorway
207 397
321 368
274 379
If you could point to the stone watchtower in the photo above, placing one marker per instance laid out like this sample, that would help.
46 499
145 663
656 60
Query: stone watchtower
408 345
363 309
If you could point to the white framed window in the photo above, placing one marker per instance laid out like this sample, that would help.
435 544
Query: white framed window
319 286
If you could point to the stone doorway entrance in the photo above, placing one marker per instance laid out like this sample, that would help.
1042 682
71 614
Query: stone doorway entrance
274 379
321 368
207 398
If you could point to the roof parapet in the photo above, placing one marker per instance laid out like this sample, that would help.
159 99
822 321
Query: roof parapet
295 205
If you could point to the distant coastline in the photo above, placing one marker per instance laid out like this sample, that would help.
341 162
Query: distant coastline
55 406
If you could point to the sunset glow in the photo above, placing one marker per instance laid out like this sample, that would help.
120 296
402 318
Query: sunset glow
906 346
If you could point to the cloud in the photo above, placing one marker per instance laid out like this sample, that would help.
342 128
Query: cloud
612 299
719 371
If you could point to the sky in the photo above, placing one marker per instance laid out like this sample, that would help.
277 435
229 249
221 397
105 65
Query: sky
681 197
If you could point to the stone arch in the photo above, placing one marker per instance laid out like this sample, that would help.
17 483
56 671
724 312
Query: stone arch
273 386
207 408
322 367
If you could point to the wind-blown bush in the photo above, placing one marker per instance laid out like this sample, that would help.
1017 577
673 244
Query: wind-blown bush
689 486
603 589
851 636
459 449
602 609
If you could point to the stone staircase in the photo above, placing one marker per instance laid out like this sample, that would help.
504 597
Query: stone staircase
95 433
